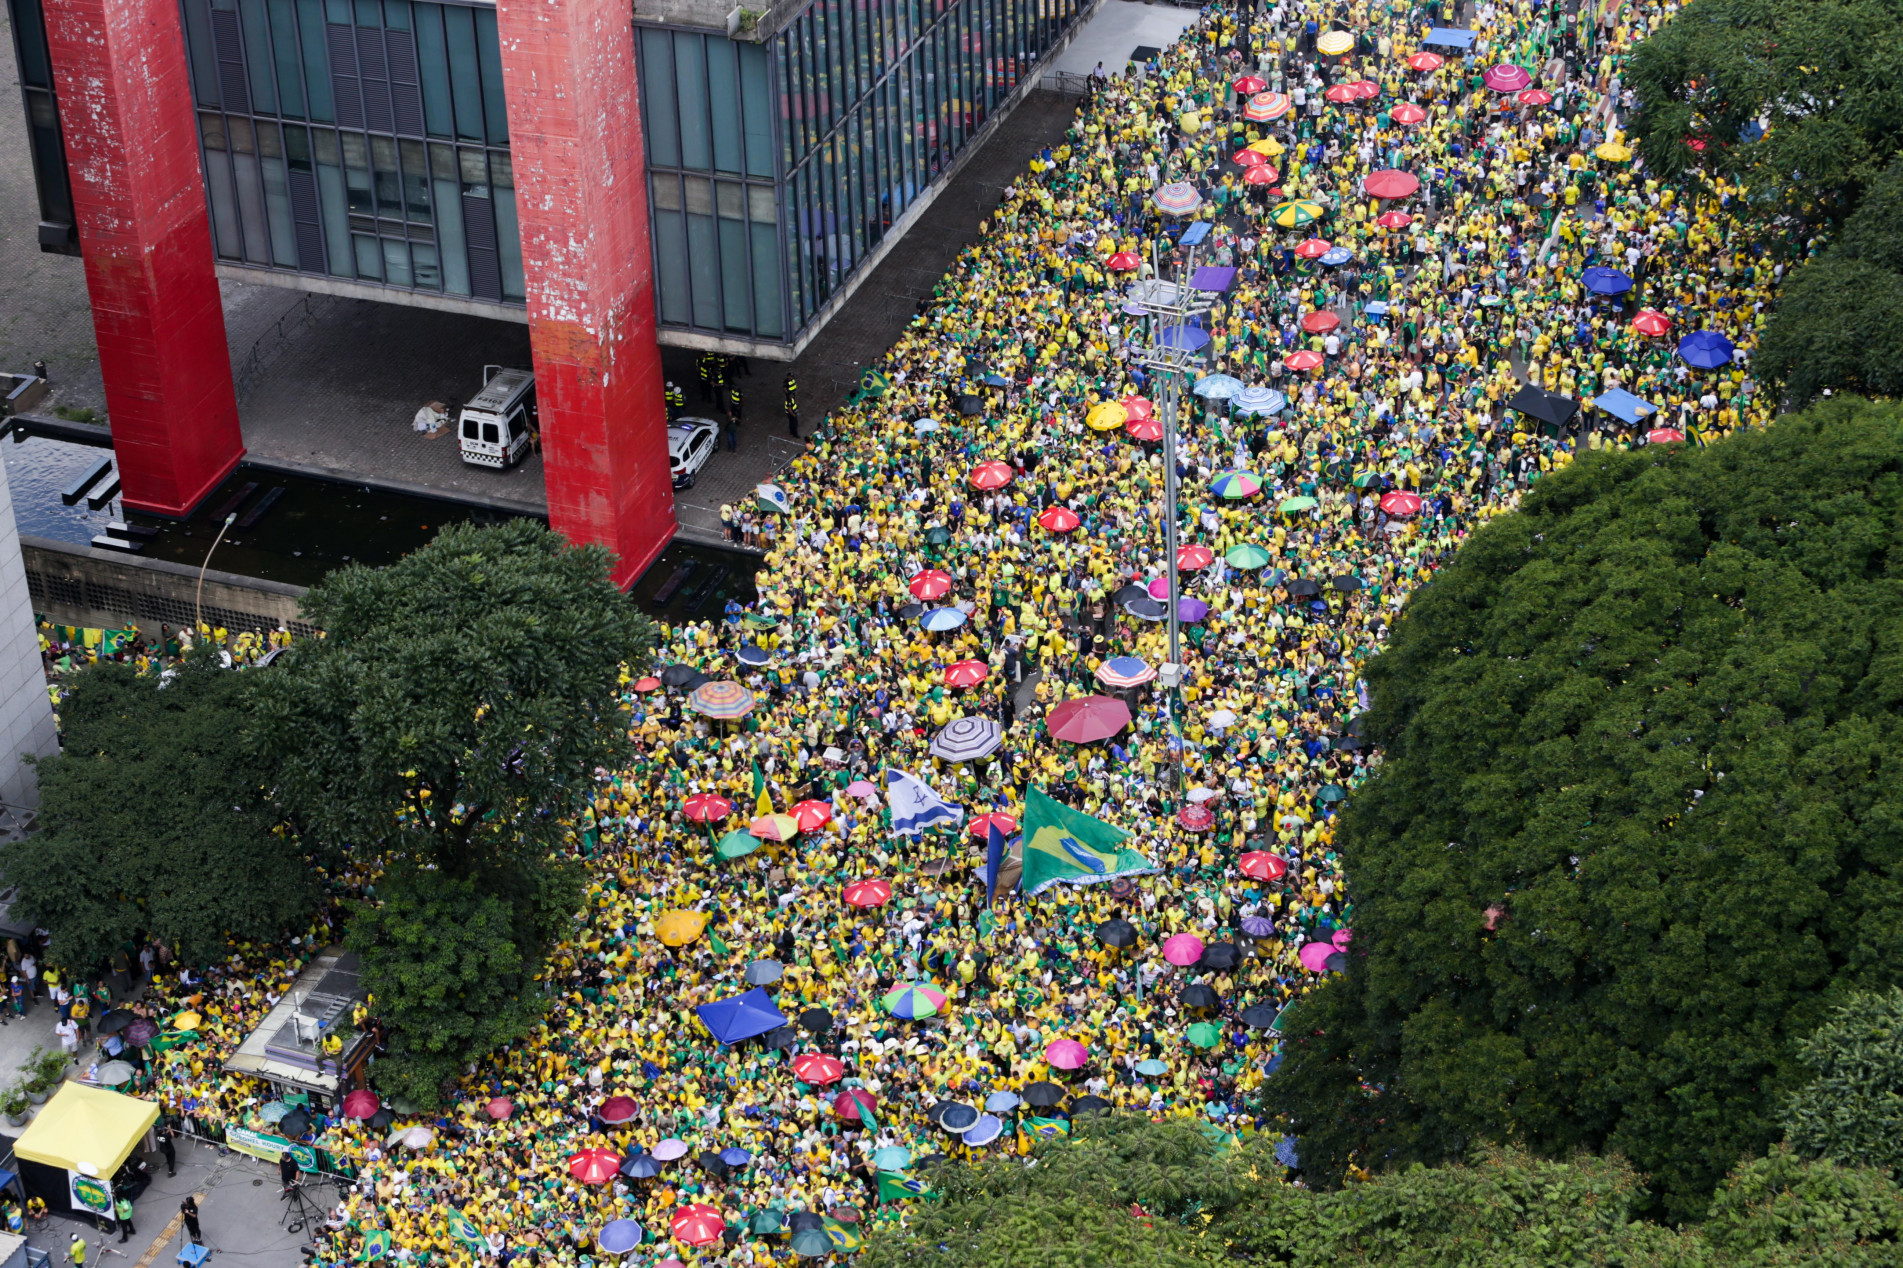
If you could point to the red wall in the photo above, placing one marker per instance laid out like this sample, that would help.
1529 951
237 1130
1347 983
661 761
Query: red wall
568 67
138 195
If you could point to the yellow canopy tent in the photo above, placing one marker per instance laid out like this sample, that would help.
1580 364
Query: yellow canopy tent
86 1124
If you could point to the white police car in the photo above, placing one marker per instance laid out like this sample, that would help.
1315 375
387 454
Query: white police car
690 443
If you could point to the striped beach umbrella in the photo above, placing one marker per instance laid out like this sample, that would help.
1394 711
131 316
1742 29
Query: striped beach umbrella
1125 671
967 740
1178 199
1335 43
721 699
1261 400
1236 484
1266 106
914 1001
1297 212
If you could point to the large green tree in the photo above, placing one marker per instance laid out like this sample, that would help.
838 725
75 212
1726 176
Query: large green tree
1827 75
1850 1110
447 729
1653 718
154 822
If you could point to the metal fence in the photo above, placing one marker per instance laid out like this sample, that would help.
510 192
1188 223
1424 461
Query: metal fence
1066 83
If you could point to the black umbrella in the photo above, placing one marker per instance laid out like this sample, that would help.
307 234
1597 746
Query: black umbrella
782 1037
1345 584
929 1159
641 1167
1354 725
1147 609
1129 593
800 1221
1536 199
1043 1095
1117 933
816 1020
957 1117
678 675
1548 407
936 1114
712 1163
382 1120
912 611
969 405
1302 586
1260 1016
1220 955
115 1021
1198 995
1336 963
1088 1105
294 1124
1345 744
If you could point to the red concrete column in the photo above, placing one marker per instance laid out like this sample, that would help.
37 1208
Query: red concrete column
568 67
139 197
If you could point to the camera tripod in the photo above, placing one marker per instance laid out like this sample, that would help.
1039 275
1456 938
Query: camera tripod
300 1212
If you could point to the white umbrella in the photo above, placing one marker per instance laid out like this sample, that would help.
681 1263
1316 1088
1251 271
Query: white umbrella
1221 718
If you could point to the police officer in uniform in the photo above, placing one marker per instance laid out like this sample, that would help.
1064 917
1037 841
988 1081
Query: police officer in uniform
792 407
734 405
707 366
676 401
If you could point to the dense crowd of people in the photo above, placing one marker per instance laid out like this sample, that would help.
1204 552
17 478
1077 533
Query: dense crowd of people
1347 427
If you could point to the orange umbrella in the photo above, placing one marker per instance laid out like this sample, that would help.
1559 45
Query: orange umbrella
647 684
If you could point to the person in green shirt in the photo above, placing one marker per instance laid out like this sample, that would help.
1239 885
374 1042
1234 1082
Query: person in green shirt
122 1211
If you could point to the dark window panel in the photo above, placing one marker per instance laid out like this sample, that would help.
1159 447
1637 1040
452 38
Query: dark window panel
228 43
406 98
342 42
479 227
373 67
257 46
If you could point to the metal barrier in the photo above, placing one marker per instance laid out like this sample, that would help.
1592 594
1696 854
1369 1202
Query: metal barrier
1065 83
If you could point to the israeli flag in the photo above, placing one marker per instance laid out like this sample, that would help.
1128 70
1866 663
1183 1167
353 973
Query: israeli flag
915 807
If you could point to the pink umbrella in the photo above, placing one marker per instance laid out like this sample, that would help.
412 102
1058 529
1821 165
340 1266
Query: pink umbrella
1506 78
1087 719
1066 1054
1185 949
1315 956
1342 938
863 789
1160 588
669 1149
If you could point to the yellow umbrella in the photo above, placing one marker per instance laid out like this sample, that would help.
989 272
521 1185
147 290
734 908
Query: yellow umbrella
186 1021
678 928
1106 416
1613 152
1268 145
1335 43
1298 212
775 827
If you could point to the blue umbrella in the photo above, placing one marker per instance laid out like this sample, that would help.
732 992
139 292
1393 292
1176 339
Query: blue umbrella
1624 406
1183 338
1335 255
939 620
1604 281
619 1237
984 1131
1218 387
1260 400
1705 349
752 655
1001 1102
1379 308
734 1156
994 380
640 1167
958 1118
891 1158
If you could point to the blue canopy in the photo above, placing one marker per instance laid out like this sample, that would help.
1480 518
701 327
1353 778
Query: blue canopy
1624 406
1450 37
742 1017
1213 277
1183 338
1604 281
1706 349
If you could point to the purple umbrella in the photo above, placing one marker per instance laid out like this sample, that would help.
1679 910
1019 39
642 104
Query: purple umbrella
1506 78
1191 610
1258 926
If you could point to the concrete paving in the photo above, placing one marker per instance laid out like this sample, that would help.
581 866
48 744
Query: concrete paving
1118 29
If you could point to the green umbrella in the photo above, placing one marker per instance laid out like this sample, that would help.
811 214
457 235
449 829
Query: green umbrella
1296 504
1205 1034
937 535
737 844
812 1243
764 1223
1152 1067
1332 792
1365 478
1246 556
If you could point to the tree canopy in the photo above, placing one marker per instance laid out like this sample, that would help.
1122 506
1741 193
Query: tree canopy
1653 718
1850 1110
154 821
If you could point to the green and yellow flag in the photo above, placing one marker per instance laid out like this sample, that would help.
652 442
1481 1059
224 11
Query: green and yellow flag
1061 844
894 1187
762 803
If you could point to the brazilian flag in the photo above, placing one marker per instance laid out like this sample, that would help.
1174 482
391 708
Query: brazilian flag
376 1244
844 1237
1044 1128
465 1232
894 1187
1061 844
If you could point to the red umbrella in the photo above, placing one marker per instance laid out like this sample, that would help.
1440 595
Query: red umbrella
617 1109
930 584
1249 158
1144 428
981 826
1426 61
361 1103
1394 220
1697 143
1664 436
991 475
1087 719
1312 248
812 815
1249 86
1342 94
1123 262
818 1068
1263 866
1306 359
1651 322
1192 558
1196 818
1261 174
966 673
1391 183
706 807
1137 407
848 1103
1059 519
645 685
1365 89
1320 322
697 1224
1401 505
594 1166
1407 114
869 893
499 1108
1535 97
